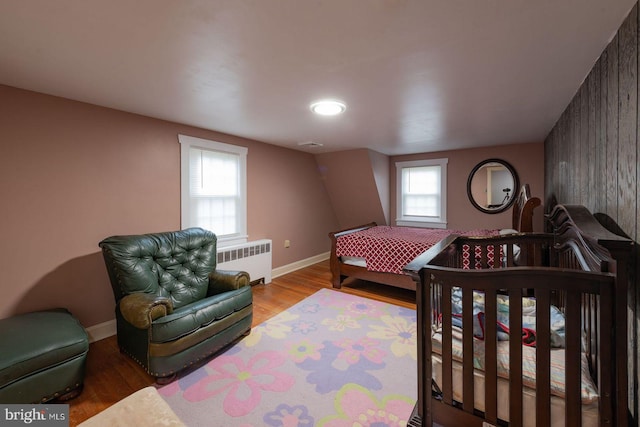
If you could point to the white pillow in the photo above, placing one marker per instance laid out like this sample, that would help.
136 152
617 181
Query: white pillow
507 231
516 248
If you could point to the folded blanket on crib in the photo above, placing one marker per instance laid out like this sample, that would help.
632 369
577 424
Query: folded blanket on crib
528 333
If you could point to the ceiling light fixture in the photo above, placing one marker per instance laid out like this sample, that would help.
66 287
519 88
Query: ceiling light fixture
312 144
328 107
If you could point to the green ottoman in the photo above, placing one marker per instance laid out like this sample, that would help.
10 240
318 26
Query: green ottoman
42 357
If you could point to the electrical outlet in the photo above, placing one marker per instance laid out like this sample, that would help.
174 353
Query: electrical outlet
287 243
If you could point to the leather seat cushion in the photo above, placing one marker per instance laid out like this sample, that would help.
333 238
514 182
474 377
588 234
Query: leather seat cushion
188 319
37 341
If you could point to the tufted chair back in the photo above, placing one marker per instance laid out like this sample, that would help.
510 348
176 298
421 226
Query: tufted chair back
174 264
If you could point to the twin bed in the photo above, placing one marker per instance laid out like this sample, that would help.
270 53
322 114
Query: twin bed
379 253
564 368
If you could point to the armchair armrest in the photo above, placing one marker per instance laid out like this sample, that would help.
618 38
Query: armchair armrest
141 309
226 280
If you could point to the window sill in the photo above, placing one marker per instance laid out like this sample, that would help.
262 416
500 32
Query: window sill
227 242
422 224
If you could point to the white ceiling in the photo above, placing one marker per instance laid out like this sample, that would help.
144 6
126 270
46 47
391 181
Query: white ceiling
416 75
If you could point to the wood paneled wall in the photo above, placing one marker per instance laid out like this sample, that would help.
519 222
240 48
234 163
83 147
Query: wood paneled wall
591 159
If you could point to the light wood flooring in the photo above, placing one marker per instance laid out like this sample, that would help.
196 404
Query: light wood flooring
111 376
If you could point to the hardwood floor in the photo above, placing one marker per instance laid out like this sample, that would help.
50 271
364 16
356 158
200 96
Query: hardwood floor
111 376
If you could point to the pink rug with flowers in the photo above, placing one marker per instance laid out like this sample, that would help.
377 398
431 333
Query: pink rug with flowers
332 360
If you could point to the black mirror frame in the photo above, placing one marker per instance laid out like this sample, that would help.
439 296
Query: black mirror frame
516 186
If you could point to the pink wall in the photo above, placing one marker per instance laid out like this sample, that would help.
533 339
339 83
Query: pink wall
72 174
380 167
351 183
527 160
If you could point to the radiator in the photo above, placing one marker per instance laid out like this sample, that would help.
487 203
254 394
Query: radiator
252 257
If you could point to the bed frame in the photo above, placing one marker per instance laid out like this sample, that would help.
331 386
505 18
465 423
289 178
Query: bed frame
569 269
522 221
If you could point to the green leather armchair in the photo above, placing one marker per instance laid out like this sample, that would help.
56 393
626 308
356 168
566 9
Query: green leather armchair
173 308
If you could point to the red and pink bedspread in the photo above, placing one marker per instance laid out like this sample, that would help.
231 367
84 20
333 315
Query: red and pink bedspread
389 249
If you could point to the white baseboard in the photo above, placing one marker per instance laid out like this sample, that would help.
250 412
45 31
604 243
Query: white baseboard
102 330
108 328
299 264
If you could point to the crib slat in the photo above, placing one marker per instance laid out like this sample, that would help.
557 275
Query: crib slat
447 357
467 350
587 319
525 257
543 359
515 357
491 358
483 255
510 255
592 333
573 416
424 298
605 352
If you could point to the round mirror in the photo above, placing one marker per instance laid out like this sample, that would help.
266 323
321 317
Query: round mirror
492 186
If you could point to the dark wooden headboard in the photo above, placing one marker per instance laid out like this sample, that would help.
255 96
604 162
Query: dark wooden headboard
523 210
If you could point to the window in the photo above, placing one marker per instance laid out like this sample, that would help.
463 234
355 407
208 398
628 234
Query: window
213 187
422 193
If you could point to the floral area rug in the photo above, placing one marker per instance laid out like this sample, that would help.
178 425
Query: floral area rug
332 360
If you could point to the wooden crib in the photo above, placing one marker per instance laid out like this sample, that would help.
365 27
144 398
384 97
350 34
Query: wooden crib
572 372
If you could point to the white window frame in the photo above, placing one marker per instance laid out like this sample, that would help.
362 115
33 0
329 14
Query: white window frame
188 142
419 221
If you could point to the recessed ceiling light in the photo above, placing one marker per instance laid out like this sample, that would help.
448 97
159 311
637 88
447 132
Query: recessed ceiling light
310 144
328 107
